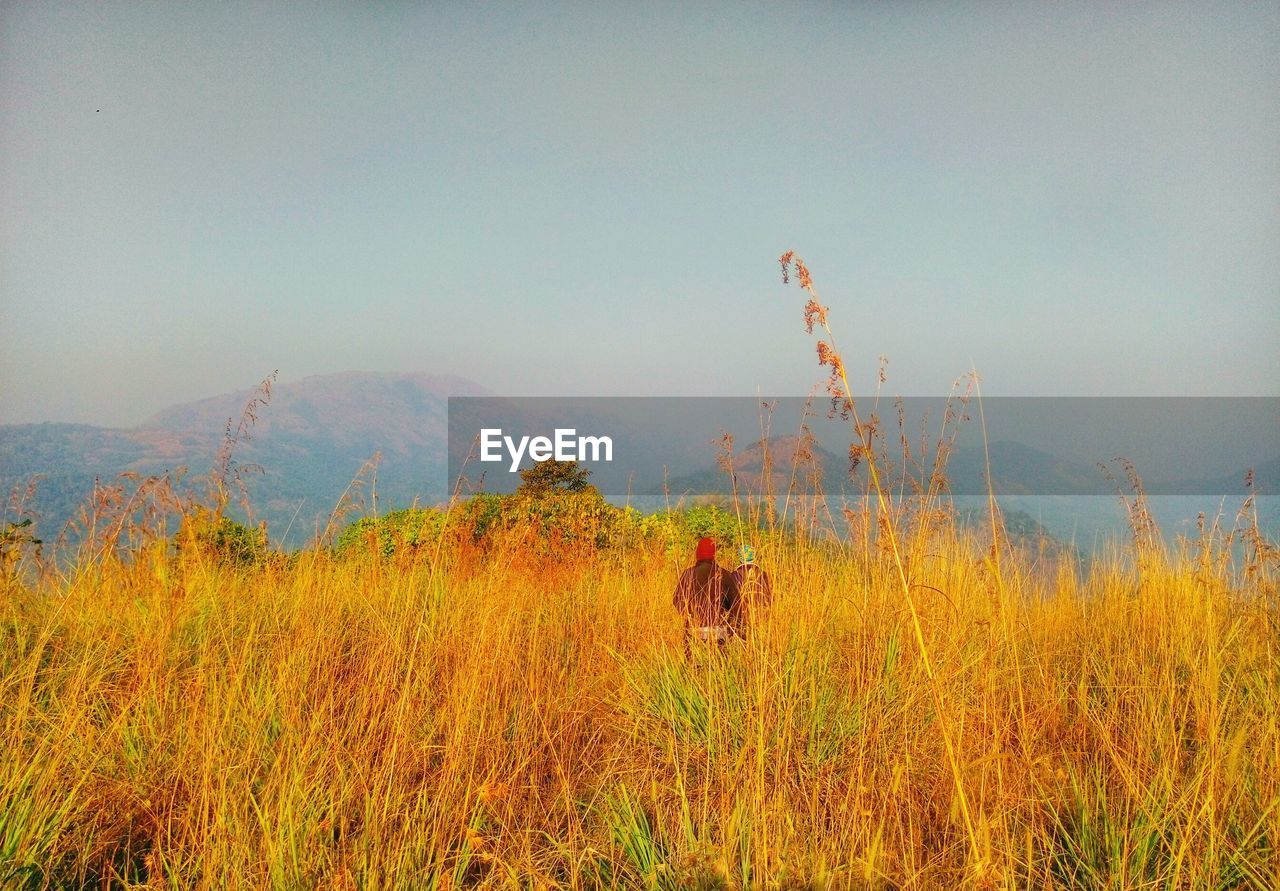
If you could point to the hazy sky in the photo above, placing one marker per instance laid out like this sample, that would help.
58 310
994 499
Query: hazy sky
590 199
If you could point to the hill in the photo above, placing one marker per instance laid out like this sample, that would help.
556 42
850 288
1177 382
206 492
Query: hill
317 433
310 441
1016 469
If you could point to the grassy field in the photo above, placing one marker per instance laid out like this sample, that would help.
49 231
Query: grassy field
495 715
924 705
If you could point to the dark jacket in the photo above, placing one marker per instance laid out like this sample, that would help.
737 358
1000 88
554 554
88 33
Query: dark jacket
753 586
708 595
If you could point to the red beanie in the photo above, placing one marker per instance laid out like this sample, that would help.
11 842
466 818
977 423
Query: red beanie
706 549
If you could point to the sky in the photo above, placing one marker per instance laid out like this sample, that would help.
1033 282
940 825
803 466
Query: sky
590 199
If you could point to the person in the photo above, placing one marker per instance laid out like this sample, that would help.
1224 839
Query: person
754 586
707 595
753 581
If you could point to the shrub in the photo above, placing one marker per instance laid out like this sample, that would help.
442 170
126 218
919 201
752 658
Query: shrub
396 532
222 538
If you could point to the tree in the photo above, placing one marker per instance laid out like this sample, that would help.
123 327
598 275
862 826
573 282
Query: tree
551 475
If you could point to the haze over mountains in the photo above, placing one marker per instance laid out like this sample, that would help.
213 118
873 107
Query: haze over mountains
310 442
317 433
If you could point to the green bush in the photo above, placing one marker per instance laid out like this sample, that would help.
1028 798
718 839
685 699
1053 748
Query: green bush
555 516
223 539
483 513
583 517
393 533
711 521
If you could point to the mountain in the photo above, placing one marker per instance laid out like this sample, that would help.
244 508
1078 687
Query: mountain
1265 481
310 441
1018 469
1015 468
317 433
789 458
1041 494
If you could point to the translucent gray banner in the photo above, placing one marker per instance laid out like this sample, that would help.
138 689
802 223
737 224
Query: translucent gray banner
679 446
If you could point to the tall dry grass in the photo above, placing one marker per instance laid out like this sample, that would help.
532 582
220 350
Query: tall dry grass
922 707
507 720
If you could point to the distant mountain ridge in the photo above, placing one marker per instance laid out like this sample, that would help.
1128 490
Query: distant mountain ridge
343 403
318 432
1015 470
310 441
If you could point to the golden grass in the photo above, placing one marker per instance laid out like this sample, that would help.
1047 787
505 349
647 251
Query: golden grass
919 709
502 720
